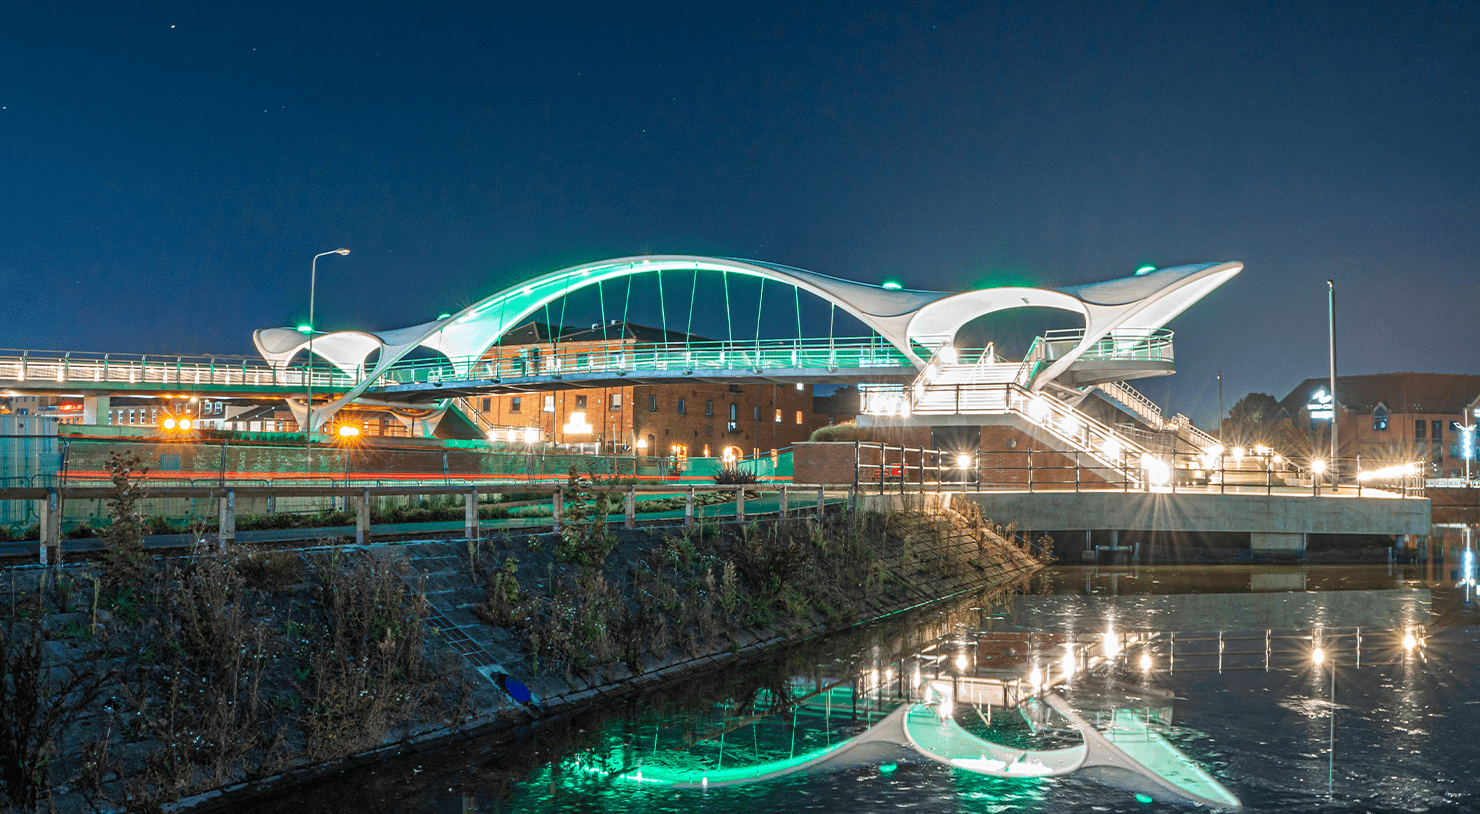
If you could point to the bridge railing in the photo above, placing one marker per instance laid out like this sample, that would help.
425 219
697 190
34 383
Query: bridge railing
851 352
1154 346
886 468
69 367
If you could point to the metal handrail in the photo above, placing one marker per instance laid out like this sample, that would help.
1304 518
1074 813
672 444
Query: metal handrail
1134 399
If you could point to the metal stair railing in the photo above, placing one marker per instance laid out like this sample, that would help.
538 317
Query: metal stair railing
1195 436
1135 401
1084 434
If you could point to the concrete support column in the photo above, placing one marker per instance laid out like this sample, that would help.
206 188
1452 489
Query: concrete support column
362 519
557 508
1276 541
51 528
631 509
688 508
470 514
95 409
227 532
740 505
785 508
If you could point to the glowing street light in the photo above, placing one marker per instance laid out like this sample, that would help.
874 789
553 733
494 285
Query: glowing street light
313 274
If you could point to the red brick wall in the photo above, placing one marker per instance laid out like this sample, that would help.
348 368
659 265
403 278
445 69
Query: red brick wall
1005 460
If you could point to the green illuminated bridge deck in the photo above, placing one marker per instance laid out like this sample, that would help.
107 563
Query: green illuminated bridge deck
840 360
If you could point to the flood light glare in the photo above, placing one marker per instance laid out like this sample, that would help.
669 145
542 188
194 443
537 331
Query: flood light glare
169 423
184 423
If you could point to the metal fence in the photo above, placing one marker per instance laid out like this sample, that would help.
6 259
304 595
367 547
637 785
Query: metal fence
898 468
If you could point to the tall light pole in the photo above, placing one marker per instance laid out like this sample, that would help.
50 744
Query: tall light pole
1220 406
1335 403
313 274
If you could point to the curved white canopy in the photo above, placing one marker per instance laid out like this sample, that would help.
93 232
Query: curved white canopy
905 318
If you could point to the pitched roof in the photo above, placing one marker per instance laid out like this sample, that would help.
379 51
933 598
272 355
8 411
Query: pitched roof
1430 393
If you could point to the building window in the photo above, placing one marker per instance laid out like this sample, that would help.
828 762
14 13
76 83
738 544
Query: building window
549 404
487 405
1418 429
514 404
778 415
580 402
734 417
735 388
708 409
1437 427
1379 419
708 433
583 361
616 401
652 404
757 412
706 450
681 408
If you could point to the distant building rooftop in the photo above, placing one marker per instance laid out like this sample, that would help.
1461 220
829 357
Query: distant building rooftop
1429 393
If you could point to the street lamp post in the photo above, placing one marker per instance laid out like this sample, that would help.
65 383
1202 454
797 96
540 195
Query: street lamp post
1467 446
313 274
1335 403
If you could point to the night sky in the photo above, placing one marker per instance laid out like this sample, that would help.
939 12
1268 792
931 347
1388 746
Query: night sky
168 170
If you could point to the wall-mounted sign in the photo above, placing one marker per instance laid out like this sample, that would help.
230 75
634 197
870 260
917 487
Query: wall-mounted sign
1320 406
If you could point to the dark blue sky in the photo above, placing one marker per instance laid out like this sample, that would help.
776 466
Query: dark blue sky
168 171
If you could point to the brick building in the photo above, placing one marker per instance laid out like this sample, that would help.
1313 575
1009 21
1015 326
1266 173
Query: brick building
1393 417
698 418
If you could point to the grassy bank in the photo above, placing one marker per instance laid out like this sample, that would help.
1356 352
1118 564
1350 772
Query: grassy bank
134 683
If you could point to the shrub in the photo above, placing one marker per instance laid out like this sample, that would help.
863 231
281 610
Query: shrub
735 477
124 537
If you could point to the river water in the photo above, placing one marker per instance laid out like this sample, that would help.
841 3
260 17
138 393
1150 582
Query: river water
1220 658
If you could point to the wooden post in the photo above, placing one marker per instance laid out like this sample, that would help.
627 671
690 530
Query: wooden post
740 505
821 500
631 506
785 508
227 531
557 508
362 518
688 508
51 529
470 514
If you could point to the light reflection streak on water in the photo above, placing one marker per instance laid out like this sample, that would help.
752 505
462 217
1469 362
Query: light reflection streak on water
1404 724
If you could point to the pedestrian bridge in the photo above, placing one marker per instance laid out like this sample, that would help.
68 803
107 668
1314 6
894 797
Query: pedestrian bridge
899 345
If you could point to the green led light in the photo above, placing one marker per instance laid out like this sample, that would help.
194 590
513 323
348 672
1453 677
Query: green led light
888 768
893 284
443 316
1145 270
303 329
1141 798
